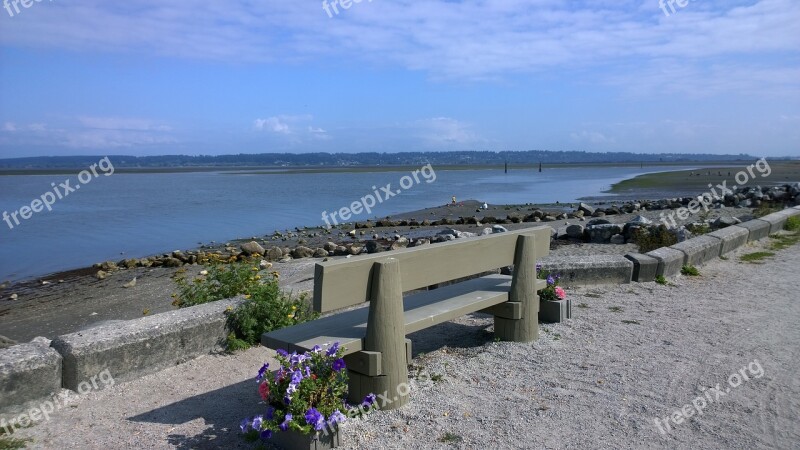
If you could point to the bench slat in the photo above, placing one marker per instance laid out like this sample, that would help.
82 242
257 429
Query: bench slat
421 311
346 282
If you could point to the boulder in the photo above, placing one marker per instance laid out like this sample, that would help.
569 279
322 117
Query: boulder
601 234
6 342
597 222
302 251
575 231
586 209
172 262
724 222
320 253
374 247
640 220
253 248
399 243
274 254
330 246
355 250
499 229
617 239
101 275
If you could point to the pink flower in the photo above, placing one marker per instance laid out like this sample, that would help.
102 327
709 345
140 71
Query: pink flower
264 391
560 293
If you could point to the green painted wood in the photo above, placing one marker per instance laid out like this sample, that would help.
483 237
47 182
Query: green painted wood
366 363
386 331
346 282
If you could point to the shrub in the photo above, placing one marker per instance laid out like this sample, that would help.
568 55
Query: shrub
661 280
792 224
653 238
764 209
265 308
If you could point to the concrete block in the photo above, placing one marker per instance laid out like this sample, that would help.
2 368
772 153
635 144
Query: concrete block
645 267
732 238
776 221
555 312
28 372
758 229
143 346
699 250
670 261
589 270
791 212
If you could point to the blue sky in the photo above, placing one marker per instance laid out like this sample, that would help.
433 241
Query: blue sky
219 77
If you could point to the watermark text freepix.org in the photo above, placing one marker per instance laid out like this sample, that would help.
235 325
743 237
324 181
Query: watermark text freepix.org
717 192
369 201
56 402
59 192
709 396
15 4
332 7
664 4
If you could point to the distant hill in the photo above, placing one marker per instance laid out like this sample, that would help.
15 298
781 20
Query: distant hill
362 159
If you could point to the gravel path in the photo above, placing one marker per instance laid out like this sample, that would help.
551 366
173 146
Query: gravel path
633 353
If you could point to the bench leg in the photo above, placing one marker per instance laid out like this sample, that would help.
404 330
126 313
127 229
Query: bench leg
523 291
385 334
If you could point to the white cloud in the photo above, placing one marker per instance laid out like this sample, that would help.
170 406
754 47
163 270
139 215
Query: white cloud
446 132
10 127
592 137
273 124
122 123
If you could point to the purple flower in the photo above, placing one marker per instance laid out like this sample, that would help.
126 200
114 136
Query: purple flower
244 425
315 419
283 352
337 417
332 351
297 377
270 413
338 365
316 349
257 421
266 434
287 399
550 280
261 372
285 424
369 400
538 268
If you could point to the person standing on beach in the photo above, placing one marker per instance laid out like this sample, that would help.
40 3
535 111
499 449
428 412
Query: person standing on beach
454 200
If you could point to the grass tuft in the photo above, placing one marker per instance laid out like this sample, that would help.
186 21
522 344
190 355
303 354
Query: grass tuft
661 280
690 271
756 257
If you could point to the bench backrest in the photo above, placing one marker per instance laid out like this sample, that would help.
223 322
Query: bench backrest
346 282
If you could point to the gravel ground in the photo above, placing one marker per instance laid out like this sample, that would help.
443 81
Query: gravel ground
633 353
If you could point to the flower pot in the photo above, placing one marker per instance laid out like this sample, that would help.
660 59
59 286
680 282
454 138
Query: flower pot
555 311
293 440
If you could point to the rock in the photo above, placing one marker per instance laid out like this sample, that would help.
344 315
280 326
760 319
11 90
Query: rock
330 246
420 242
486 232
13 296
402 242
599 214
253 248
640 220
129 263
302 252
355 250
6 342
41 341
597 222
724 222
172 262
352 233
130 284
499 229
274 254
109 266
601 234
320 253
100 275
617 239
575 231
797 200
586 209
264 265
373 247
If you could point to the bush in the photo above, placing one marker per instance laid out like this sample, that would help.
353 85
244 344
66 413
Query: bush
653 238
792 224
266 307
661 280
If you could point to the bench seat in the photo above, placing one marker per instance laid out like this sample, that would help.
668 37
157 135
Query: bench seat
421 311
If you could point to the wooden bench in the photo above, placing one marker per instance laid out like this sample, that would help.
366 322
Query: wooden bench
377 351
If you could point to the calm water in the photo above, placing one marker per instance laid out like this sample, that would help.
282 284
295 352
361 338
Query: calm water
137 215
